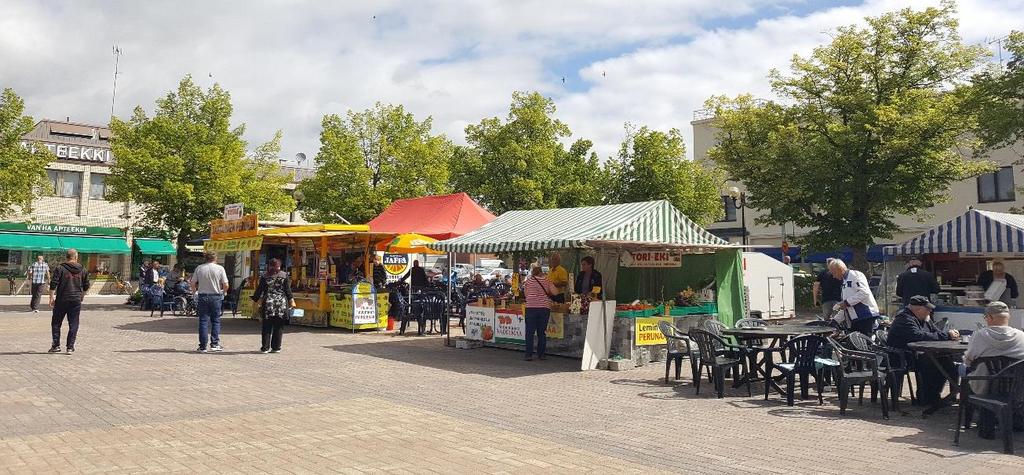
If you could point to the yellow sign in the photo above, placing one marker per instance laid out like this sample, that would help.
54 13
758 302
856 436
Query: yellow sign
556 326
648 333
235 245
247 226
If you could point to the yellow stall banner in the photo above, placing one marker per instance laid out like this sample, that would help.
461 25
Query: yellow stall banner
648 333
235 245
556 326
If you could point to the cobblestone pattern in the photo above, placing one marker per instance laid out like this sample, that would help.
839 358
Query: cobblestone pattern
135 398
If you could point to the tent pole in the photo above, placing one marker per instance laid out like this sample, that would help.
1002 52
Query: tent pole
448 304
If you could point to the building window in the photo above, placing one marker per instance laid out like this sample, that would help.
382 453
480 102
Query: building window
97 186
65 184
996 186
730 210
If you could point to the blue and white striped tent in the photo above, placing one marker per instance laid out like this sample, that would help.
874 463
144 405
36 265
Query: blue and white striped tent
974 231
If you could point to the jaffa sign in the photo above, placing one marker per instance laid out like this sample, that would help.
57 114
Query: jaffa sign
72 152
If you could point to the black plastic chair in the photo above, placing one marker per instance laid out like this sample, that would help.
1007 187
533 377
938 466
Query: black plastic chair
712 355
679 346
1004 397
857 368
799 354
900 365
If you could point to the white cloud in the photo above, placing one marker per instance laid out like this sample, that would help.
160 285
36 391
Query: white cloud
289 63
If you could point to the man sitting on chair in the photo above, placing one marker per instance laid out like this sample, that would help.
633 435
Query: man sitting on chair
911 325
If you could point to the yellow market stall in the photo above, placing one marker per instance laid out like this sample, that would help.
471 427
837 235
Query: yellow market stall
327 264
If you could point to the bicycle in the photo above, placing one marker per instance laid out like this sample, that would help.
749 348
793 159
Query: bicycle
122 286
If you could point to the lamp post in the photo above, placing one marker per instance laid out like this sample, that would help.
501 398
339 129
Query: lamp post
739 201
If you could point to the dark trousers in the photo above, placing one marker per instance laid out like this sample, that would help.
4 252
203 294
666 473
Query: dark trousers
208 308
272 330
37 290
864 325
71 310
930 380
537 324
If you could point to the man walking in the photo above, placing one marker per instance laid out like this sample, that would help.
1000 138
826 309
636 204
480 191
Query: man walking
70 282
210 280
40 275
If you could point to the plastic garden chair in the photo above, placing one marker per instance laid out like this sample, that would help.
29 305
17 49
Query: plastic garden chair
900 364
712 355
799 356
857 368
1005 396
679 346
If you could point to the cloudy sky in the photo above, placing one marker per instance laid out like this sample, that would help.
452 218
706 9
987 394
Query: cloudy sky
287 63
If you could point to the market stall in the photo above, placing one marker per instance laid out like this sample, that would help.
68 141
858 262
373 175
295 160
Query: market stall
630 244
329 265
958 252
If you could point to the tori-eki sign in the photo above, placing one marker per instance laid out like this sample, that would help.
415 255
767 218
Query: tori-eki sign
651 259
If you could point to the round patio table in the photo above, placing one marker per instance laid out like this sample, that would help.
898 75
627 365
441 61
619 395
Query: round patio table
775 334
935 350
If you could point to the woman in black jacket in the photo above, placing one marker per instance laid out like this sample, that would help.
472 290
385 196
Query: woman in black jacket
275 290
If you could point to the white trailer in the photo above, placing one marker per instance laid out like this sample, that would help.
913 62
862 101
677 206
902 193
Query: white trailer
768 286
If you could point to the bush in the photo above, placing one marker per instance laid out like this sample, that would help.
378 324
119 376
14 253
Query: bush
803 288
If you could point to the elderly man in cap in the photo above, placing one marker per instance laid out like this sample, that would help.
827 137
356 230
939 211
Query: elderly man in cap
913 324
997 339
858 303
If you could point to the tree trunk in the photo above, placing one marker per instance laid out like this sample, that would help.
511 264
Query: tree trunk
182 246
860 259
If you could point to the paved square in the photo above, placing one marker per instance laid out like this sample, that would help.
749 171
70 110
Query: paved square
136 398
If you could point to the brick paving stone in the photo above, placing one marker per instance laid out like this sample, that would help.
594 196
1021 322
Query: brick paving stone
135 398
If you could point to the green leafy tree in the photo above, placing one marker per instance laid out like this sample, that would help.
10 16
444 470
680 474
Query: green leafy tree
579 179
514 164
868 127
652 165
186 162
1000 94
369 159
22 171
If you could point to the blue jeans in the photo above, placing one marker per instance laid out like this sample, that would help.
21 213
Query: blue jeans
537 324
209 308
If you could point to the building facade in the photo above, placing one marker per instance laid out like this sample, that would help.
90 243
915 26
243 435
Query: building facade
993 191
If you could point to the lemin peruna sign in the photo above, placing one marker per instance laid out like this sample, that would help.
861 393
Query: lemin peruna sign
60 229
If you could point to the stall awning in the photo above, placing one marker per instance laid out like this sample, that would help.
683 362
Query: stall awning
30 242
974 231
654 222
95 245
439 217
155 247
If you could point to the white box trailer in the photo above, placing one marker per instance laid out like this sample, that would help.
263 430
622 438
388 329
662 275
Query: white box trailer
768 286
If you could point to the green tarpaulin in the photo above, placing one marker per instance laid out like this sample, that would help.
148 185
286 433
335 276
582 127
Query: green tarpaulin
155 247
30 242
95 245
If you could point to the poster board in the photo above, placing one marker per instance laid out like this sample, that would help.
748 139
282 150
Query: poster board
364 304
510 326
599 333
647 332
480 324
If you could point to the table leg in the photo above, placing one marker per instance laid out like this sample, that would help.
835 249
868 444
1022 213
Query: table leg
953 389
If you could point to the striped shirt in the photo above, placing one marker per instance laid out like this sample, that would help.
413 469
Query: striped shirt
39 270
535 292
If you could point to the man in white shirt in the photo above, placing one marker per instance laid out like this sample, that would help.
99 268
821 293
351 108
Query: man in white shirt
858 301
210 281
40 275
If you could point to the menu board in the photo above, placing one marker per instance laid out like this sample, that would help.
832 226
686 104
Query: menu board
480 323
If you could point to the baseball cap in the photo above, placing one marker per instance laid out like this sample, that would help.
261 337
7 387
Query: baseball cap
997 307
921 301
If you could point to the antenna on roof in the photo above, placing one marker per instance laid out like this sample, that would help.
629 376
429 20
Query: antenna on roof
117 56
300 158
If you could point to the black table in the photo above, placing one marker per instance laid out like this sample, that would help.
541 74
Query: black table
935 350
776 334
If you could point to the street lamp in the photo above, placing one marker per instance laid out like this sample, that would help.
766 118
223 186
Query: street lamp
739 201
299 196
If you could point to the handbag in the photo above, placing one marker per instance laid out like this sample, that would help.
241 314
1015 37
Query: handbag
557 298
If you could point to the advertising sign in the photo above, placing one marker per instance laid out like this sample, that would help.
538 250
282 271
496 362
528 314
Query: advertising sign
322 269
480 323
648 333
72 152
510 326
556 326
61 229
651 259
233 211
364 303
395 264
247 226
235 245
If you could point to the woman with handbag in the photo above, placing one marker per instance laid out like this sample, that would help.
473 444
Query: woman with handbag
538 309
275 291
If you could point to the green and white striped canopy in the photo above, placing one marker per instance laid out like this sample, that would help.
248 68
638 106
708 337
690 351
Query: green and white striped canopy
650 223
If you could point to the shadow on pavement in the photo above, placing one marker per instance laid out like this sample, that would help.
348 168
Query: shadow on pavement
431 352
189 325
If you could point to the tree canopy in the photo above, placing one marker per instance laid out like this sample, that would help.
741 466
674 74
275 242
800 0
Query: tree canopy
652 165
868 127
369 159
22 171
186 162
1001 99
